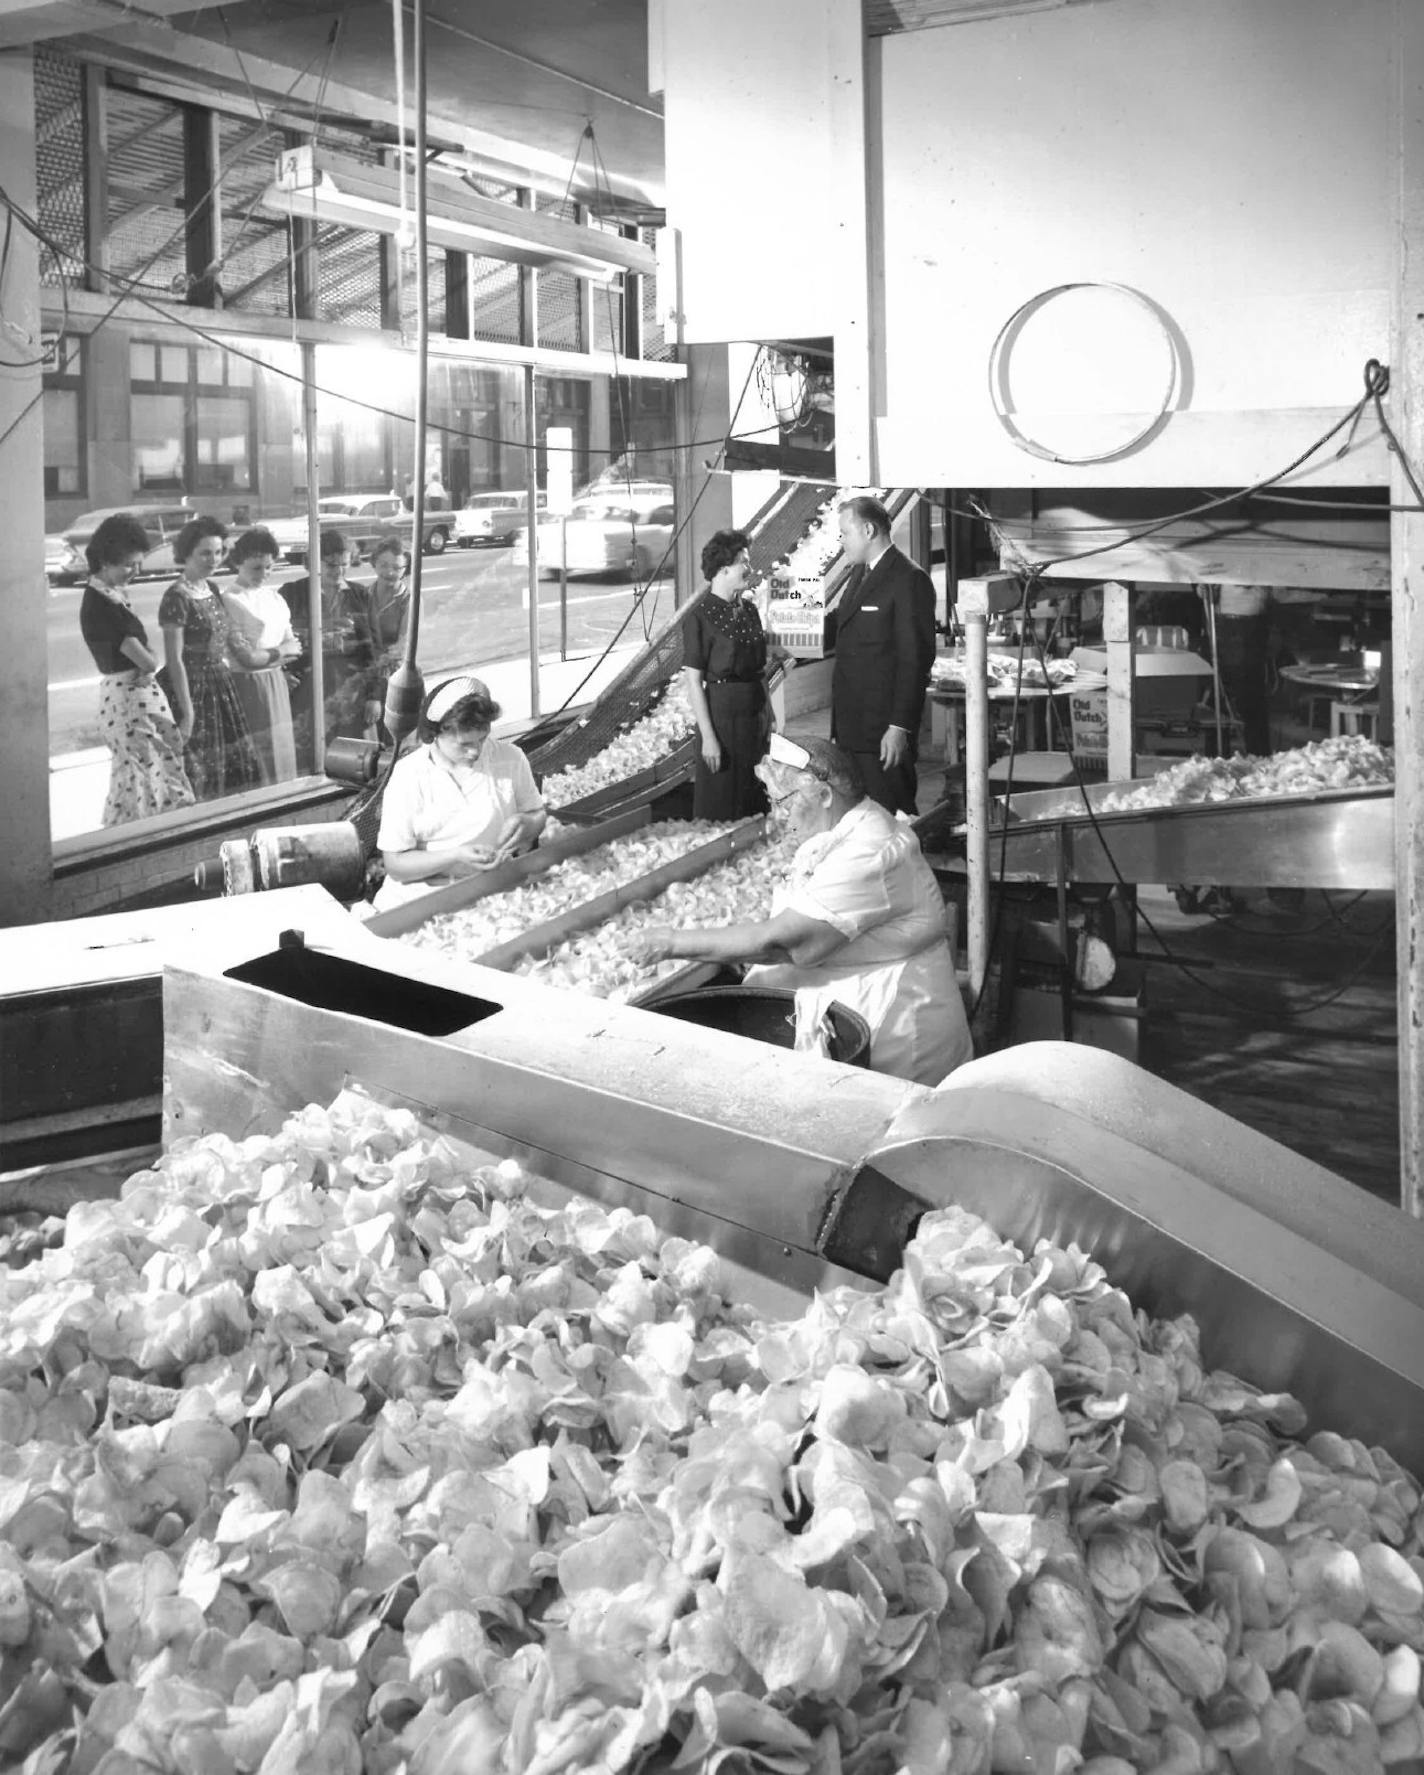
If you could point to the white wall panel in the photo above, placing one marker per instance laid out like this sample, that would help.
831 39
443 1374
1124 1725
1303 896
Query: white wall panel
750 168
1230 160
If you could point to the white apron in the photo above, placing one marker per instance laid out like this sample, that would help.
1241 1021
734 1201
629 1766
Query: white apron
918 1030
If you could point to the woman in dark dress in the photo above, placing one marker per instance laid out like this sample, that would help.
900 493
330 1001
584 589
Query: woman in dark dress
146 775
348 653
724 663
217 743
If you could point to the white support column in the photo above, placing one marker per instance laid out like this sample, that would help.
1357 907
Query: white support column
25 861
1406 409
1120 641
847 58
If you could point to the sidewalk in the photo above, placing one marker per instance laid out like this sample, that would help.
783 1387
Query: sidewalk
79 781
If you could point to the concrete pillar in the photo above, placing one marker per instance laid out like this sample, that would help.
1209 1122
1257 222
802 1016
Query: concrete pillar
1406 407
707 394
25 867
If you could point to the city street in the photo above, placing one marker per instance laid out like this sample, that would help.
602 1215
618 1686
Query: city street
473 614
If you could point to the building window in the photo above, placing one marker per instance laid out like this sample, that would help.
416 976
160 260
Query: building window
192 419
64 453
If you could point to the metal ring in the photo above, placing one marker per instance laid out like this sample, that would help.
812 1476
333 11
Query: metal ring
998 381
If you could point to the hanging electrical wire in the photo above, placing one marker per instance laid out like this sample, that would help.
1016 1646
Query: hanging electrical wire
405 688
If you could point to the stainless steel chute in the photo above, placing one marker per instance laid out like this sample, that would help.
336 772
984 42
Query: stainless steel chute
803 1174
1341 838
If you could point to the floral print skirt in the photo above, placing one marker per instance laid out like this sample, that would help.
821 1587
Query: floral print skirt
146 776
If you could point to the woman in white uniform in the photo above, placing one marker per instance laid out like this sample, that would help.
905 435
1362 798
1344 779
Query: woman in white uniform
461 803
860 921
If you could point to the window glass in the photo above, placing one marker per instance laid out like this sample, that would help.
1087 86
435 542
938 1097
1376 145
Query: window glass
224 463
63 443
207 431
157 442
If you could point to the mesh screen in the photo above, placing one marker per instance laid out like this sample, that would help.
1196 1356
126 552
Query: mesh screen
145 220
256 248
560 325
495 301
435 304
655 343
59 164
349 276
607 306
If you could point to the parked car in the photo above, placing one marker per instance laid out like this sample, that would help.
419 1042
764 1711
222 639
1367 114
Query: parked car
608 532
493 520
65 564
362 518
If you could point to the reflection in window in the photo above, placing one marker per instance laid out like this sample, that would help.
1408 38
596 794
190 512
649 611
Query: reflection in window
224 463
158 443
63 443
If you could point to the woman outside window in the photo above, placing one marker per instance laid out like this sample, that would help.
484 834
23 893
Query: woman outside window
146 774
217 743
261 643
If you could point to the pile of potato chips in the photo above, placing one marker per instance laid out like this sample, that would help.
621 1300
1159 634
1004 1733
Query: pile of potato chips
320 1453
1349 762
474 930
645 743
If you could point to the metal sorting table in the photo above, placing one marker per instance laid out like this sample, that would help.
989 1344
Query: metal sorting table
1337 838
586 915
803 1174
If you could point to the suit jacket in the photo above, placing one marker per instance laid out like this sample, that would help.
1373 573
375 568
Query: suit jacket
885 646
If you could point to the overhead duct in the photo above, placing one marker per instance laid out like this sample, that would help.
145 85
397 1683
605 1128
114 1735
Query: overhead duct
314 186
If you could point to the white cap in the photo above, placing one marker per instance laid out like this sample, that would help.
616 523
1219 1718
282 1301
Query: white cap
444 697
784 751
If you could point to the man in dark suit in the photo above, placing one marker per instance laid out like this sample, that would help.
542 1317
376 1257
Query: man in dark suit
885 646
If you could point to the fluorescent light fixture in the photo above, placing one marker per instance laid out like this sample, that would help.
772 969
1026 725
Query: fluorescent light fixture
336 189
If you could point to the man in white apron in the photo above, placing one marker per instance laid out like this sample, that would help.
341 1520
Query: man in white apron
859 921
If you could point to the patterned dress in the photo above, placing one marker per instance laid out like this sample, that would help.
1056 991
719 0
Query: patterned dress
220 754
146 775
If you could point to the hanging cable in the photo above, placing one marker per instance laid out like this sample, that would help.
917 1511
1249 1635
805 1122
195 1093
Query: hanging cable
405 689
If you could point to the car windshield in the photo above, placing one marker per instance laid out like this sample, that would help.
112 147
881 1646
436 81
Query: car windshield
339 507
490 501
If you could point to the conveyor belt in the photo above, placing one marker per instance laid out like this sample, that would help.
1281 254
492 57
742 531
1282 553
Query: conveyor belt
1341 838
803 1173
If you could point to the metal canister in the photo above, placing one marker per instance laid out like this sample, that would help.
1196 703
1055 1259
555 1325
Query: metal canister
329 855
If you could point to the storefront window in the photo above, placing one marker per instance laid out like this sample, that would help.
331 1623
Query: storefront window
223 464
200 421
191 433
64 445
158 443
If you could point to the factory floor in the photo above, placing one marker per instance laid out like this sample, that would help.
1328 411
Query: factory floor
1246 1034
1251 1033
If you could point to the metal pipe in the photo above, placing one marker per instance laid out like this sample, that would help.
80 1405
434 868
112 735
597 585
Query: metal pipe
405 690
531 456
1209 598
976 786
564 587
316 674
422 332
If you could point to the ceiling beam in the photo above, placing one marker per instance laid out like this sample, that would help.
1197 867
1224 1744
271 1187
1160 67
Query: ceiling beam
85 311
23 22
198 70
